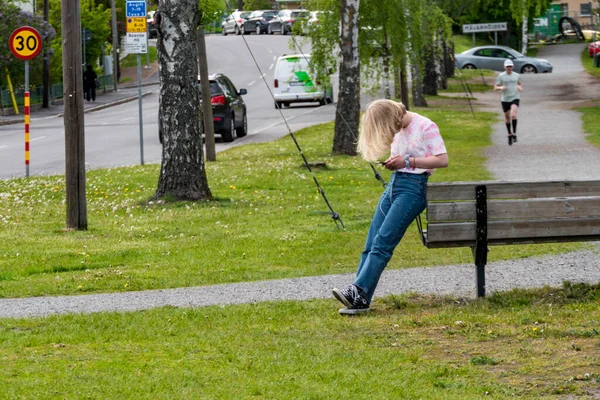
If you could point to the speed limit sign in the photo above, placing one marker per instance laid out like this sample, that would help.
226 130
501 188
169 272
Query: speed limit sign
25 43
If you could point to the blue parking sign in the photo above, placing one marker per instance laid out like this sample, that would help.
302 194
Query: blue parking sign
135 9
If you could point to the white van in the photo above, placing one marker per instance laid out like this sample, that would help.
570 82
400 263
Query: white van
294 83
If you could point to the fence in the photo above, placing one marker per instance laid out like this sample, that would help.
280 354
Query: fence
547 26
36 94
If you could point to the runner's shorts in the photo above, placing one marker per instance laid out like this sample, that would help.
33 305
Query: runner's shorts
506 104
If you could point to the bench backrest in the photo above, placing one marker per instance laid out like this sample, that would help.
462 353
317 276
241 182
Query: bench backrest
517 212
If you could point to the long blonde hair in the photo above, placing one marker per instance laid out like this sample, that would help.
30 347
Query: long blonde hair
380 122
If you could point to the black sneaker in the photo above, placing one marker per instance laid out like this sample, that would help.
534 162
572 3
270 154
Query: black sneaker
515 138
510 140
353 298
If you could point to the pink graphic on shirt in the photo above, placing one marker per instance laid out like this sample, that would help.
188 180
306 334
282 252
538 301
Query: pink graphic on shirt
421 138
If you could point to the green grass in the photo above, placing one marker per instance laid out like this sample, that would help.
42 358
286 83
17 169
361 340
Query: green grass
131 59
588 63
591 124
478 80
465 42
267 219
591 115
529 344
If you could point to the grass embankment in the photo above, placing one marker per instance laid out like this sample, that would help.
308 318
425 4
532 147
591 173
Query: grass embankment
588 63
529 344
267 220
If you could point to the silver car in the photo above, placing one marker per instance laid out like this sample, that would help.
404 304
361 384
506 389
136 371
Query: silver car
493 57
234 22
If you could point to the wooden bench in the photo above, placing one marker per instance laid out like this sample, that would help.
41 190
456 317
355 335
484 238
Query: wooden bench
479 214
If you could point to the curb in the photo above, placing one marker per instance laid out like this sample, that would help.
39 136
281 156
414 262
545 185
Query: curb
114 103
88 110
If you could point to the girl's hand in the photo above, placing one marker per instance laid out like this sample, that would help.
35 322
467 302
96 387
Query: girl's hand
394 163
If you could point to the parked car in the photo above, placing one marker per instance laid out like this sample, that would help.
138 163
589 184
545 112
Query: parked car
258 21
285 19
295 83
234 22
229 109
493 57
152 32
594 48
313 19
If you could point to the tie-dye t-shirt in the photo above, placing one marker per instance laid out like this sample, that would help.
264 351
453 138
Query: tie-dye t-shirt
421 138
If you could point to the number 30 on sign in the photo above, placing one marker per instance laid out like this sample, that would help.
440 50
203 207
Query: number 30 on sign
25 43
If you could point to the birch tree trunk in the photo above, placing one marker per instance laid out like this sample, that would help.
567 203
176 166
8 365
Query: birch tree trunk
404 88
348 107
417 87
386 71
525 37
182 172
431 75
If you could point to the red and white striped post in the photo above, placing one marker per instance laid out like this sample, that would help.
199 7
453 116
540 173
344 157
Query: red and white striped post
26 112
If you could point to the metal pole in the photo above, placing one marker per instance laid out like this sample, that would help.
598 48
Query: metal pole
115 44
139 71
147 50
26 112
103 70
46 67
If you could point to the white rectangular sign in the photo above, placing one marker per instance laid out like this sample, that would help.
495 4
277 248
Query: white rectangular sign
136 42
489 27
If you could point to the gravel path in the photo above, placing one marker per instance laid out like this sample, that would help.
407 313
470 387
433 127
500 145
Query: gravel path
551 146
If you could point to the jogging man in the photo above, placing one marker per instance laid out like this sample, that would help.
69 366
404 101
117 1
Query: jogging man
509 82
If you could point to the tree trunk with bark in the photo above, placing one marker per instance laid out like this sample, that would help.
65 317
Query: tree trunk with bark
417 87
431 75
348 108
404 88
182 172
448 64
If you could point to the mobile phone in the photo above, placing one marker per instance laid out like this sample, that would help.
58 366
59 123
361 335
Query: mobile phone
381 162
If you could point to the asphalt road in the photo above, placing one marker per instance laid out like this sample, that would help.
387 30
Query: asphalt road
112 135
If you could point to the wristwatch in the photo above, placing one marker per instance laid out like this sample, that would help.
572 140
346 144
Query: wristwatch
406 161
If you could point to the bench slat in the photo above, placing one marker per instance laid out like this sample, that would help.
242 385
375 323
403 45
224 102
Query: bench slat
578 207
506 230
497 242
512 190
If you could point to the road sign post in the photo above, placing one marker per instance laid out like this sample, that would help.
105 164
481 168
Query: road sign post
26 43
137 42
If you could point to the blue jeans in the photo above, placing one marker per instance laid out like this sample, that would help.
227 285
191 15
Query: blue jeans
404 198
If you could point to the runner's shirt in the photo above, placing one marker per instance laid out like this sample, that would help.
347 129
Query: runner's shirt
510 81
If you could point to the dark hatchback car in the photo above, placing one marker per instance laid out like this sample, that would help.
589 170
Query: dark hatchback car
229 109
258 21
285 20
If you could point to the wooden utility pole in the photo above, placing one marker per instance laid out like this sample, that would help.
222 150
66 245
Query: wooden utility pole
209 125
73 117
46 70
